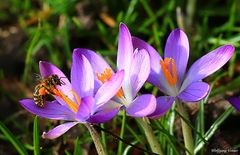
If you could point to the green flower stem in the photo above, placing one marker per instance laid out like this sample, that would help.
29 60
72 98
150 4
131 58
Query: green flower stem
120 144
96 139
186 129
152 140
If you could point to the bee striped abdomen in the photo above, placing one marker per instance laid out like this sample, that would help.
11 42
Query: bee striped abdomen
40 100
39 95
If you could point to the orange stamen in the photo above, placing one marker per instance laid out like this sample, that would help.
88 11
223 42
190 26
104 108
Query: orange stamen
76 97
105 76
69 102
170 72
119 93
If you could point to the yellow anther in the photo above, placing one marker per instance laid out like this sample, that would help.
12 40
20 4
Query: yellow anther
105 76
68 101
119 93
169 70
78 99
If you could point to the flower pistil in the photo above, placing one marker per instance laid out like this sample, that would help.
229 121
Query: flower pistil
169 70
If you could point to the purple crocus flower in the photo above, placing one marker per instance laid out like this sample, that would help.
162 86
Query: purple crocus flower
235 101
169 74
77 102
136 64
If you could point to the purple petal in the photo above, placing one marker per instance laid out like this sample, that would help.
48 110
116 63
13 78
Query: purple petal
105 112
110 105
82 75
142 106
125 49
51 110
109 88
140 69
47 69
235 101
98 64
196 91
163 104
103 117
177 47
156 77
208 64
58 131
85 108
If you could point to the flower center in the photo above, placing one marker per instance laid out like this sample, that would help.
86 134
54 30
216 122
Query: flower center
169 70
68 101
105 76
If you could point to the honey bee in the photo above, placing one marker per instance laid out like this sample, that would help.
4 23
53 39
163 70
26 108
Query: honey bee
46 87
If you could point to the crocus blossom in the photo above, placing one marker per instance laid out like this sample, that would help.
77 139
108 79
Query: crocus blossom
77 102
235 101
169 76
136 65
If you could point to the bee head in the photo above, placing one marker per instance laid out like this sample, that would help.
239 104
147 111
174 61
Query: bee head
55 80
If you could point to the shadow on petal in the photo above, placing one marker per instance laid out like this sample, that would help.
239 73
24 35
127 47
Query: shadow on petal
103 116
196 91
142 106
51 110
164 103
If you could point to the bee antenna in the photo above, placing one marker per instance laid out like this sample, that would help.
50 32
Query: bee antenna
62 77
62 82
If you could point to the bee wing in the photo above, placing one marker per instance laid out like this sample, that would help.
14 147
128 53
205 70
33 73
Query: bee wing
37 77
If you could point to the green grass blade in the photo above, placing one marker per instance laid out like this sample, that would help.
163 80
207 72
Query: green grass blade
200 125
234 84
236 146
191 126
135 134
127 149
36 137
30 51
213 128
130 10
8 134
171 139
77 148
103 137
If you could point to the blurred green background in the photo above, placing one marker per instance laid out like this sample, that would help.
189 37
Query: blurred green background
34 30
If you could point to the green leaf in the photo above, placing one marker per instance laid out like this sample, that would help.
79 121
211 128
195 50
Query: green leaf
9 135
213 128
36 137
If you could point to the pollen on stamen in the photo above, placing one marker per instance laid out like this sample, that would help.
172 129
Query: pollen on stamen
170 72
78 99
67 100
105 76
119 93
